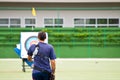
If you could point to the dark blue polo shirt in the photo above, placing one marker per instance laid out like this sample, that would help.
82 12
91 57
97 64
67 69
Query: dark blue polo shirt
45 53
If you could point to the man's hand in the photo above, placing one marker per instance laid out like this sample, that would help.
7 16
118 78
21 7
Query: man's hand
52 76
29 58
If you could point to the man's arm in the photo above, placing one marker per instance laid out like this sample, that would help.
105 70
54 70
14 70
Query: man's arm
53 66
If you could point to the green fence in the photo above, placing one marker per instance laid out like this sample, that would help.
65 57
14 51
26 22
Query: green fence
68 42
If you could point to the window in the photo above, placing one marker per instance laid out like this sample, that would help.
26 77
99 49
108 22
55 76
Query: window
53 22
102 23
15 22
10 22
113 22
48 21
4 22
30 22
79 22
90 23
96 22
58 22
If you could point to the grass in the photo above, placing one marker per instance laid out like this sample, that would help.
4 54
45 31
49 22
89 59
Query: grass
67 69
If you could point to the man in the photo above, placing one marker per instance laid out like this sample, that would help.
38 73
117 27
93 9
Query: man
44 60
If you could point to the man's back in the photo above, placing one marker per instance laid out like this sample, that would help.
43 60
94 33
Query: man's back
45 52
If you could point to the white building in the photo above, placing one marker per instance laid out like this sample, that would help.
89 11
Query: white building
60 13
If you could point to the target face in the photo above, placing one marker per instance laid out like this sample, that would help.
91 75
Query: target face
27 39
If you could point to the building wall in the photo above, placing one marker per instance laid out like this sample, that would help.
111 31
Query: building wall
59 1
69 5
67 15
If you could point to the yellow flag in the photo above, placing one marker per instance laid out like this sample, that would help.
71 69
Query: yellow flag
33 12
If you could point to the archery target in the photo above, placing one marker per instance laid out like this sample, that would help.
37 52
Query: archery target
27 39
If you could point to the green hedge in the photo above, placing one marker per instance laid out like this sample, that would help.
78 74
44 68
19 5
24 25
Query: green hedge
68 42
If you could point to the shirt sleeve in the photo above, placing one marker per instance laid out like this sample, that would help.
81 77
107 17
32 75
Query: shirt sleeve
52 53
31 50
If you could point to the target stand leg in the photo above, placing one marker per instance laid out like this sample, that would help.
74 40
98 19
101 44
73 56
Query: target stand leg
23 65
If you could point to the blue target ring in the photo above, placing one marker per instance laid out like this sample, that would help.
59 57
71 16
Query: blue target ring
31 40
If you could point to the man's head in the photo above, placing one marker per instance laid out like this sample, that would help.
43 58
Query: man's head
42 36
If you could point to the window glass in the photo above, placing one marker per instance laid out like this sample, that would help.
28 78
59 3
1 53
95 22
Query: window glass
53 22
90 21
30 26
96 22
102 26
29 21
79 26
101 21
15 21
90 26
48 26
78 21
58 26
48 21
58 21
4 21
3 26
113 26
113 21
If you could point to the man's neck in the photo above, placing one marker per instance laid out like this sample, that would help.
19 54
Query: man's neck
41 41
